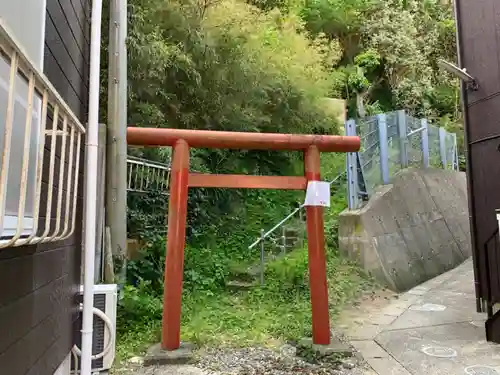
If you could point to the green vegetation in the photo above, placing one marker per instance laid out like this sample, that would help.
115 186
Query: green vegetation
279 311
264 66
265 316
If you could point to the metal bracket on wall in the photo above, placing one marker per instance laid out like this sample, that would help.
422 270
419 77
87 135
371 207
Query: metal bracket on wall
461 73
472 85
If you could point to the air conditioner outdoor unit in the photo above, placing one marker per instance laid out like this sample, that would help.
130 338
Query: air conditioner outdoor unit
105 299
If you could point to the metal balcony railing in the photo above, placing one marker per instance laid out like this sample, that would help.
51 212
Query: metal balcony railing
42 176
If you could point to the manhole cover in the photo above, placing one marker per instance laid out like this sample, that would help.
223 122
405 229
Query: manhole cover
428 307
436 351
480 370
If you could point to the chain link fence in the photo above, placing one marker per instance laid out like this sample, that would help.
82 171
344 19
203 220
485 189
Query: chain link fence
391 142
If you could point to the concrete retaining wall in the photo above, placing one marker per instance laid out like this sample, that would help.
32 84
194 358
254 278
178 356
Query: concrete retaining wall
412 230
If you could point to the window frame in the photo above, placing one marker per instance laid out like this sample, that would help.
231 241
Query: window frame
10 222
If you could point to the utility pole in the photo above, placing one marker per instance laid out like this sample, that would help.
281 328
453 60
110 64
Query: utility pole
116 148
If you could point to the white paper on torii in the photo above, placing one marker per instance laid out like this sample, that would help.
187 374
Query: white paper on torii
318 194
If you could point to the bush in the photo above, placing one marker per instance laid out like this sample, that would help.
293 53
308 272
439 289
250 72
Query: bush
288 277
139 305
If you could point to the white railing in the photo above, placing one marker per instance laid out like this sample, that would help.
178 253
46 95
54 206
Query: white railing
340 178
44 114
145 175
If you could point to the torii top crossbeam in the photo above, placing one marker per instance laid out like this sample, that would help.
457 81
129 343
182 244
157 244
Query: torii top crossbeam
240 140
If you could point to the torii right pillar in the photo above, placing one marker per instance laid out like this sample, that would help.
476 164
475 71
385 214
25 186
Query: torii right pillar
317 258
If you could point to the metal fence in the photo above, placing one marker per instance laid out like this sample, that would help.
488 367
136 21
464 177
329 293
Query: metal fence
288 234
391 142
146 175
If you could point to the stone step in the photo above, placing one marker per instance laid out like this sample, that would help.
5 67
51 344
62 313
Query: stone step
243 275
238 286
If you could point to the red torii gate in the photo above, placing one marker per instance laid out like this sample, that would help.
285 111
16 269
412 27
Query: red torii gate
181 180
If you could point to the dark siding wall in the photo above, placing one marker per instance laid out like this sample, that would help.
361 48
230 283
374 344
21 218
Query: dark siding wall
479 34
38 283
67 47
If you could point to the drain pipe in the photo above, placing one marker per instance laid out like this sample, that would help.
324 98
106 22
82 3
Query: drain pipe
91 188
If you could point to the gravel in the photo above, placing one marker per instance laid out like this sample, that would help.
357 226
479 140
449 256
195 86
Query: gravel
253 361
260 361
250 361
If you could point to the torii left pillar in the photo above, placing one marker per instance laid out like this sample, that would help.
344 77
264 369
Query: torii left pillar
176 234
182 180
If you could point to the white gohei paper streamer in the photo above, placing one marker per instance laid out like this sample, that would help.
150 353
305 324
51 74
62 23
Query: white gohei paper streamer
318 194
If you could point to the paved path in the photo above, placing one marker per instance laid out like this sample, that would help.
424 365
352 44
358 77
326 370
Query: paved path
432 329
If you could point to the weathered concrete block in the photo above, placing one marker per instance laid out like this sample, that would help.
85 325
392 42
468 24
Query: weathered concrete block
412 230
157 356
336 347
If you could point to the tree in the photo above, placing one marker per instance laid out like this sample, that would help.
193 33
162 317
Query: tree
227 65
390 51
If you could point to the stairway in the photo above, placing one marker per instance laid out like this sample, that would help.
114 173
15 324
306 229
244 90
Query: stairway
275 247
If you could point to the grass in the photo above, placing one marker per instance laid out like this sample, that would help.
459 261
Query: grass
277 312
265 316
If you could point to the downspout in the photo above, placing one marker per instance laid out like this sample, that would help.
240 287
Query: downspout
91 188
